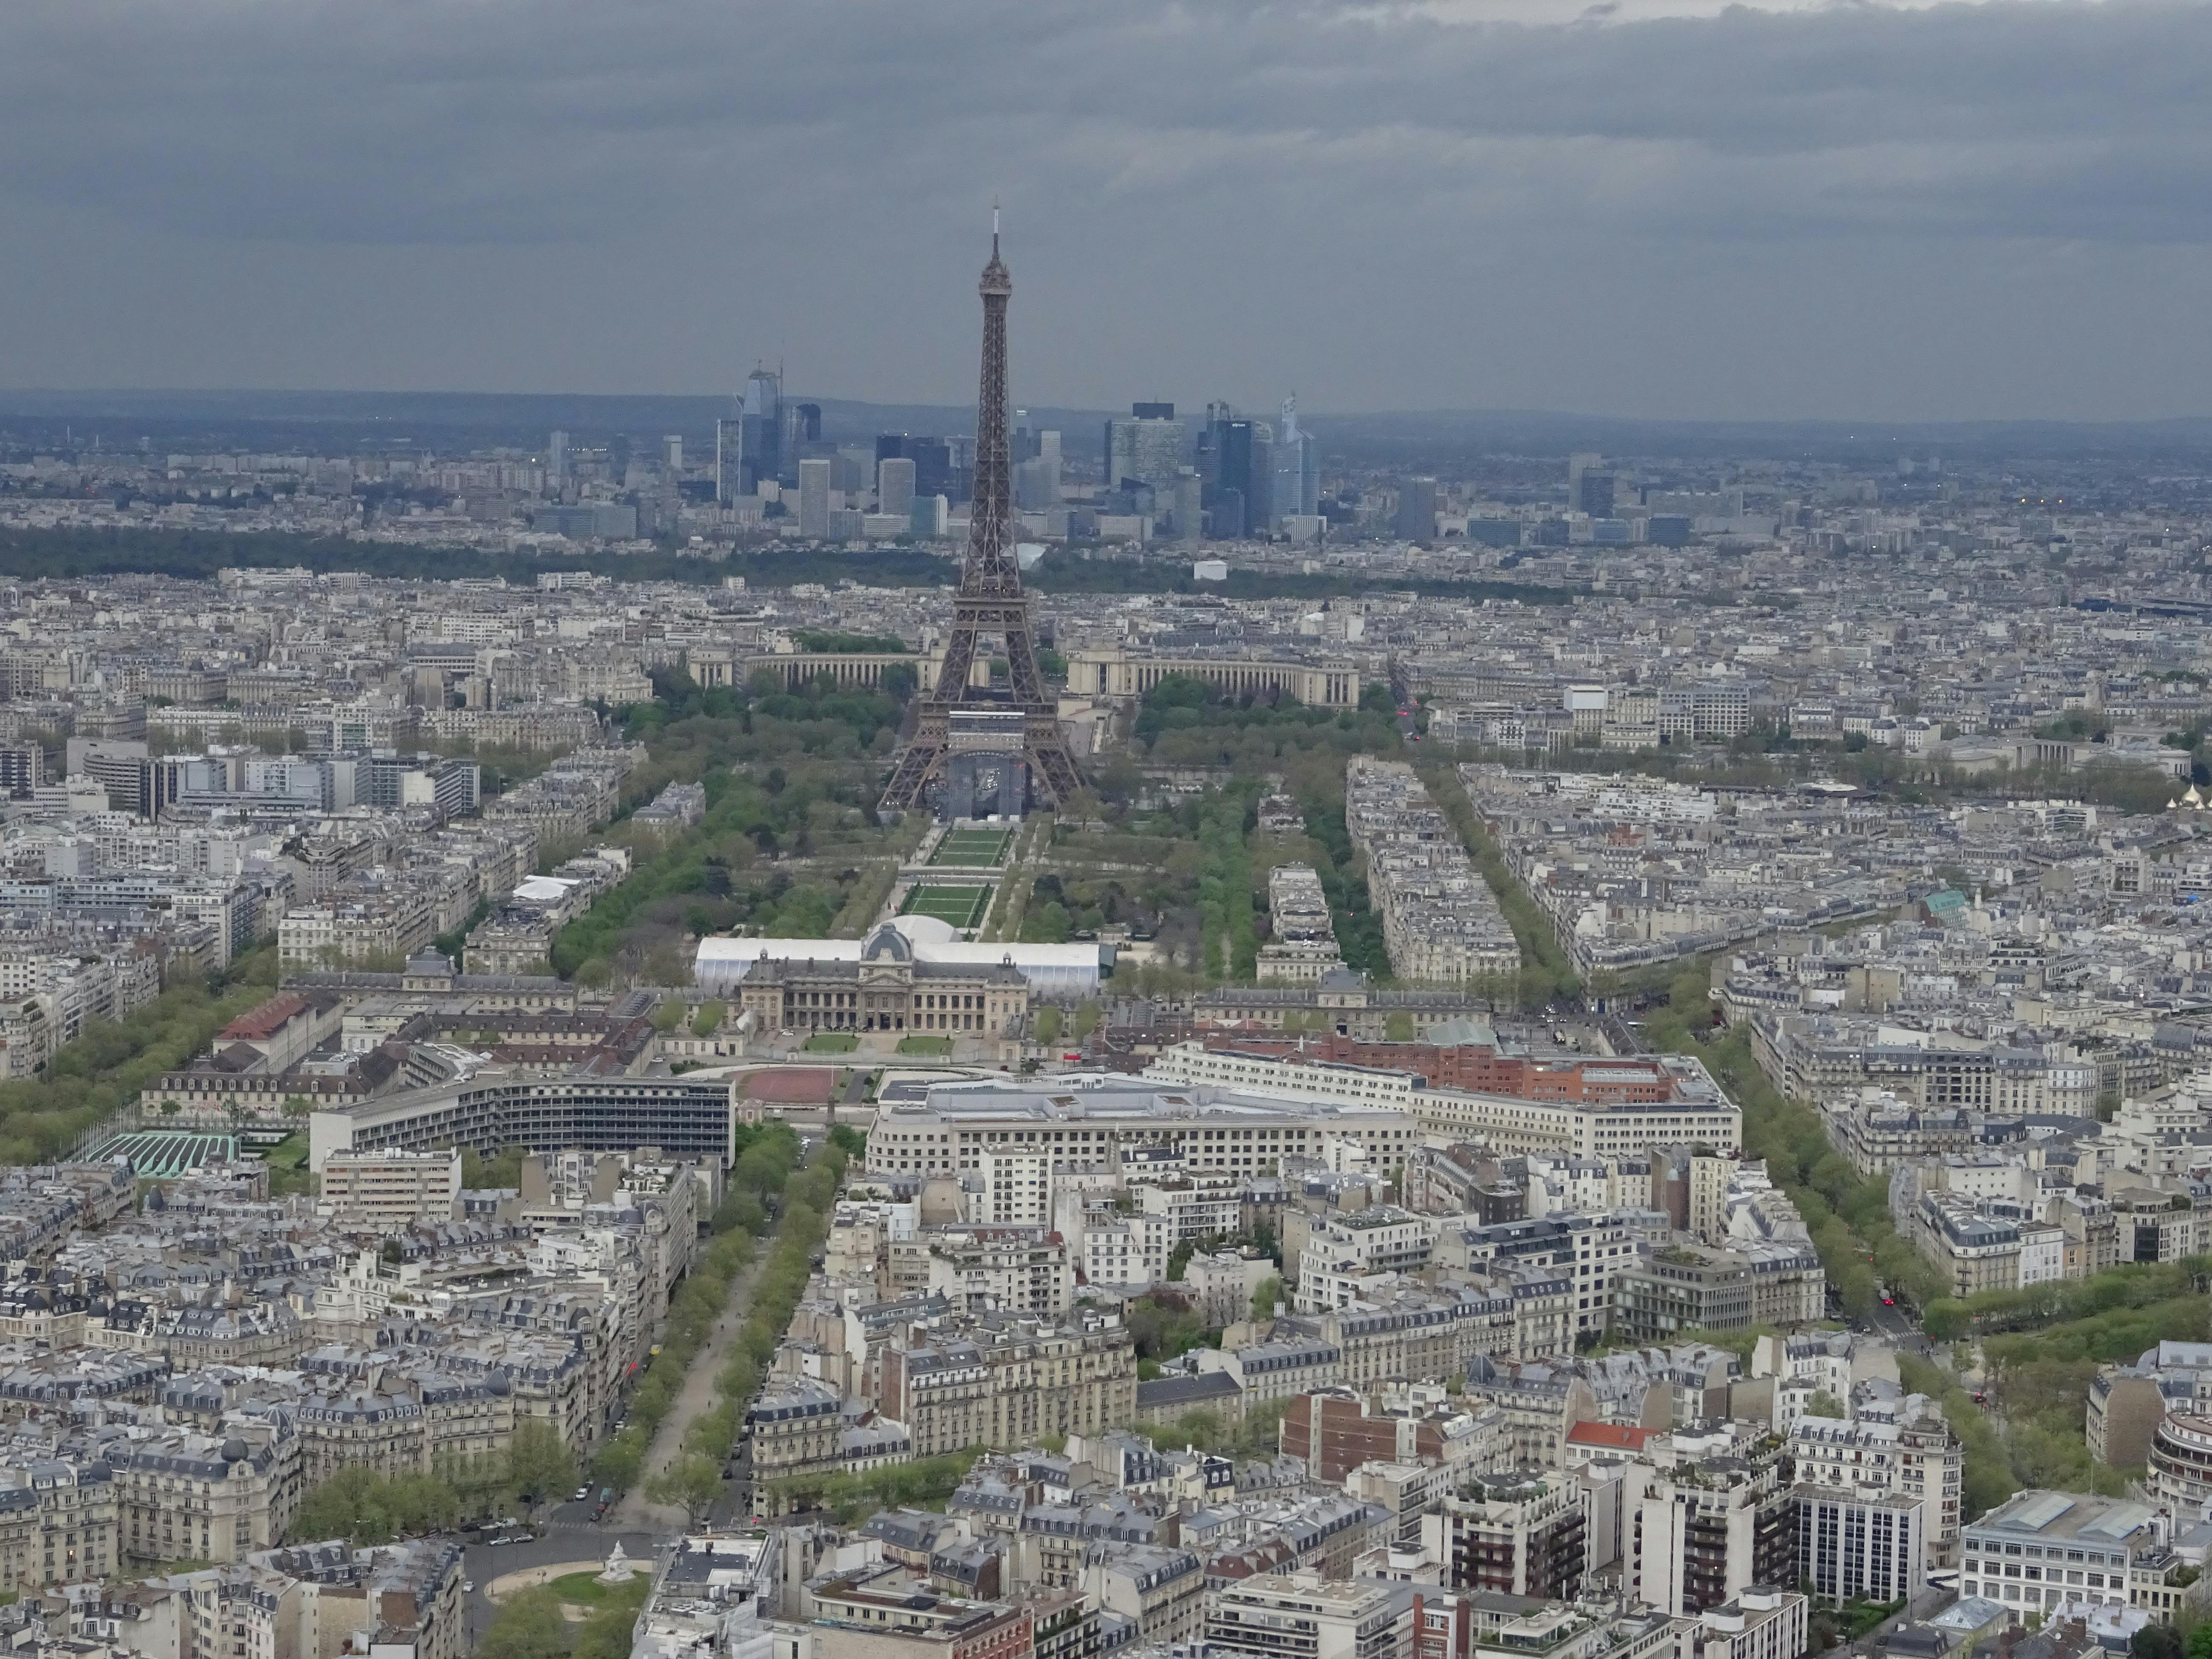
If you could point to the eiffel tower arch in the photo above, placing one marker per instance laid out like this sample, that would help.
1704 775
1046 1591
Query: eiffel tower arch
990 603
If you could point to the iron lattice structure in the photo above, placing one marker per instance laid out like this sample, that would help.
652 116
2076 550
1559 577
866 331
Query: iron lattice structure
990 601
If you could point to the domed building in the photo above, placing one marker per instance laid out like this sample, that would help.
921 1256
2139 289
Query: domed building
1054 973
887 986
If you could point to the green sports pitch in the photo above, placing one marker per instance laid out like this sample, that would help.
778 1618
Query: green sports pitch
962 906
165 1154
973 848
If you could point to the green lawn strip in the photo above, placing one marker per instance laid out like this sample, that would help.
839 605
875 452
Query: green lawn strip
962 906
974 847
583 1588
832 1043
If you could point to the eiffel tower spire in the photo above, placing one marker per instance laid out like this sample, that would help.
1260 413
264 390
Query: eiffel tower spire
990 599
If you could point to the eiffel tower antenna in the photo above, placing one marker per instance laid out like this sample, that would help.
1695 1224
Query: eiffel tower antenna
989 601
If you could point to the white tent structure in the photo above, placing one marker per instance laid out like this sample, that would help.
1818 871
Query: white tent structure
1056 973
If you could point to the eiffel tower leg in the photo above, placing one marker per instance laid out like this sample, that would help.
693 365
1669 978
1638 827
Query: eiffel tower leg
918 762
1023 675
922 760
959 661
1052 768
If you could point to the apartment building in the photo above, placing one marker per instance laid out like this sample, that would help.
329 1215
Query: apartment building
1342 1251
59 1523
387 1188
1761 1622
182 1495
1302 945
1973 1249
1338 1430
883 1610
948 1129
1914 1456
1160 1588
1675 1101
1008 1380
1516 1535
1022 1270
1683 1288
1861 1544
1441 923
1304 1616
795 1423
2038 1549
2128 1403
1717 1523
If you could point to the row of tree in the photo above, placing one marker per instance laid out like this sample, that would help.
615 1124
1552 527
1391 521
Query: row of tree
1546 973
692 1480
358 1503
1186 721
926 1483
1049 1022
2028 1431
766 1156
198 555
103 1071
1229 919
1846 1214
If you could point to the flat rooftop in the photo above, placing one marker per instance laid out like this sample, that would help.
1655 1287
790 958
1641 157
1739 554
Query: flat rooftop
1114 1104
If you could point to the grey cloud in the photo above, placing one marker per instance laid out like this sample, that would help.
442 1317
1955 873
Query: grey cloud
1966 209
550 120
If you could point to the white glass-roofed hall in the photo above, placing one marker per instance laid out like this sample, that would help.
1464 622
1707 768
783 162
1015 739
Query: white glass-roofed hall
1055 973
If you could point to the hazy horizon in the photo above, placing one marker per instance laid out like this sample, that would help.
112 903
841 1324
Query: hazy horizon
25 400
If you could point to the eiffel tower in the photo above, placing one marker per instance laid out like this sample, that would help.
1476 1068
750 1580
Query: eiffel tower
990 602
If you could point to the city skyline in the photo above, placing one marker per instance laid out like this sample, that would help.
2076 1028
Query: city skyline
1954 212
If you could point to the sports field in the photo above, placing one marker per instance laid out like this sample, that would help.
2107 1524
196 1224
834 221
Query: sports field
962 906
792 1085
974 847
164 1154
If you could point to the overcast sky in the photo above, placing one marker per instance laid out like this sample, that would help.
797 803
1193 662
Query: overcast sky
1655 208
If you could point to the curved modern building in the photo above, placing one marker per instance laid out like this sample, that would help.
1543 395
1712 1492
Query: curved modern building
2181 1464
685 1117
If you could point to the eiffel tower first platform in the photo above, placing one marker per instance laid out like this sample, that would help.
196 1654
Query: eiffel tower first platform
958 728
